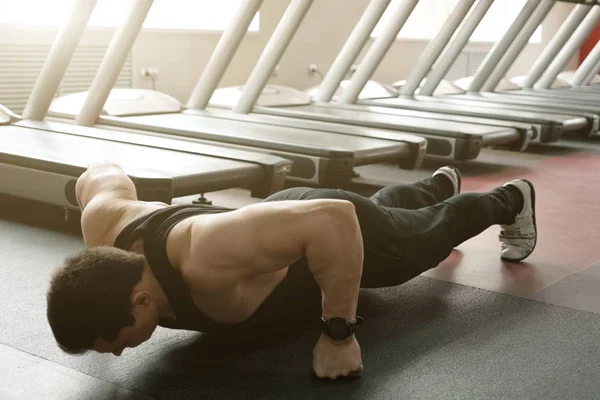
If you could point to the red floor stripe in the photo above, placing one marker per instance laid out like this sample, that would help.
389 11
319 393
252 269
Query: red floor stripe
568 216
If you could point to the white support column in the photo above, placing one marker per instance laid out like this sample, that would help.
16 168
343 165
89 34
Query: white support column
453 50
587 67
435 48
558 41
517 46
113 61
357 39
377 51
496 53
567 52
56 64
281 38
224 52
591 75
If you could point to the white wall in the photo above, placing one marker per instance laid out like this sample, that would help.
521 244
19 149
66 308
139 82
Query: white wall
181 56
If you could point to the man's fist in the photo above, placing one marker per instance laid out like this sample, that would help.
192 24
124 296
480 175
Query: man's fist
336 359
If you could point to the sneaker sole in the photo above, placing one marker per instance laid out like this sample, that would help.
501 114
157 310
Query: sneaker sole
534 224
459 179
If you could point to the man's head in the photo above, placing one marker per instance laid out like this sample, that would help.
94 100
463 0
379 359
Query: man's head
101 299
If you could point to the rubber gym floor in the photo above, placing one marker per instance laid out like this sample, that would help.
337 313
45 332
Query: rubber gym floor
472 328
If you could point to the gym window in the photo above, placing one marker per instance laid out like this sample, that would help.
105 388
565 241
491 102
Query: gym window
429 16
169 15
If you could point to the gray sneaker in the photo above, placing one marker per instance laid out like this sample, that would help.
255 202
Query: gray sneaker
453 174
519 239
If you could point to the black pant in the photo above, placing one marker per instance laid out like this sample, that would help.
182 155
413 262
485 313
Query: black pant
408 229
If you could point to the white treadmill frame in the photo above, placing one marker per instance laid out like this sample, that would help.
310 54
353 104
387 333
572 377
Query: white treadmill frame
277 44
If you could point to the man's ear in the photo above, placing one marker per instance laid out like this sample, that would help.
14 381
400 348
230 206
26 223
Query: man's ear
142 299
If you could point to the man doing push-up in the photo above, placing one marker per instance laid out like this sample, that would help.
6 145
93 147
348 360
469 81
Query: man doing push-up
301 254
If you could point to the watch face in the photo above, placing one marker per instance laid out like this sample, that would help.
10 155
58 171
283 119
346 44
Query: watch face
338 330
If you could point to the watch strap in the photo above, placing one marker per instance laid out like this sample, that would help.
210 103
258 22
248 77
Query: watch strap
347 326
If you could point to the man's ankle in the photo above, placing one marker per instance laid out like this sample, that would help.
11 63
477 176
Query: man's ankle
516 197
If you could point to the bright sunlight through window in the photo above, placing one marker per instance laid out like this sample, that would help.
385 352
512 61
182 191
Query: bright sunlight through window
429 16
203 15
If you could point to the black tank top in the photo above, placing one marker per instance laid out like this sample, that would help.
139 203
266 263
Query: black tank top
293 303
154 229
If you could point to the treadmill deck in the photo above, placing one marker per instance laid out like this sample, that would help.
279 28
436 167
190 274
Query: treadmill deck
69 155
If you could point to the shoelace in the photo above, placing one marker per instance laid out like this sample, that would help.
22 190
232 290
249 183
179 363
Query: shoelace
517 240
515 236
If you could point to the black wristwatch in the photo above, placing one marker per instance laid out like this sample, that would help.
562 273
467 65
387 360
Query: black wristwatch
339 328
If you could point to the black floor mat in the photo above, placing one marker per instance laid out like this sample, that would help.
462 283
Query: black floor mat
426 339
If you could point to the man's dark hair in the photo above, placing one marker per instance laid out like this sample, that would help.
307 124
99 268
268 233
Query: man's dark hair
89 297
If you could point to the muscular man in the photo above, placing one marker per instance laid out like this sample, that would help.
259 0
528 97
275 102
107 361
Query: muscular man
300 255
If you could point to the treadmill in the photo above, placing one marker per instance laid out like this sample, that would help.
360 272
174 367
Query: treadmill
516 38
586 77
446 139
322 156
549 126
41 161
565 44
546 71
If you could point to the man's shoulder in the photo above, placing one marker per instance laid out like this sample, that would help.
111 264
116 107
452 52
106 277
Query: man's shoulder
103 220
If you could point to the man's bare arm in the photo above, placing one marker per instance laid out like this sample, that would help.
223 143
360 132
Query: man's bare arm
102 191
334 251
335 257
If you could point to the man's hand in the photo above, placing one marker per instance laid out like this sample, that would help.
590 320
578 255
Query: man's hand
335 359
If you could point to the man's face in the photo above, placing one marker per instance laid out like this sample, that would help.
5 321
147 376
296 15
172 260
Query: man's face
146 321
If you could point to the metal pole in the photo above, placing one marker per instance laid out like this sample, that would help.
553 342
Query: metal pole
352 47
376 52
587 67
56 64
453 50
496 53
281 38
557 42
224 52
435 48
572 46
113 61
517 46
591 75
